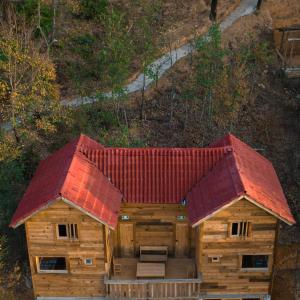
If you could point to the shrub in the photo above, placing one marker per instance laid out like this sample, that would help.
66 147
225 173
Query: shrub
89 9
29 9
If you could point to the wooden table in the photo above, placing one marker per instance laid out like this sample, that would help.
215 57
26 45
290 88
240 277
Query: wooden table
150 270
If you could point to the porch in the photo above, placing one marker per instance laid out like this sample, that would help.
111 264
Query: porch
180 280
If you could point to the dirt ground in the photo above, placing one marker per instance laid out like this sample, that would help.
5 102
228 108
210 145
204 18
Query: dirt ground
177 23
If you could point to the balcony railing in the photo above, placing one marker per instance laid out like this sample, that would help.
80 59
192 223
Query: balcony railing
153 288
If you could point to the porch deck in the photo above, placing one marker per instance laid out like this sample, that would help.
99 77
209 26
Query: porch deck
176 268
180 282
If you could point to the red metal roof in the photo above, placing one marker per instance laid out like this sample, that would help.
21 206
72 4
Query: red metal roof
242 172
95 179
69 175
155 175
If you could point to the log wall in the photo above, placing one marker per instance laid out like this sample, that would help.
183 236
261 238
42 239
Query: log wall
81 280
226 276
154 225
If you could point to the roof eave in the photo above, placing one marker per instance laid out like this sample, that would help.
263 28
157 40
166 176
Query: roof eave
245 196
231 202
269 211
87 213
23 220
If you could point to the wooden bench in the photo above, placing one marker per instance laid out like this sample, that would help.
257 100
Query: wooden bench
154 253
150 270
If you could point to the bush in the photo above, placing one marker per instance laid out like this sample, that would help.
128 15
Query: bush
29 9
89 9
83 45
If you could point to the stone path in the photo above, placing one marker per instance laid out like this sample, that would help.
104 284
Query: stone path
165 62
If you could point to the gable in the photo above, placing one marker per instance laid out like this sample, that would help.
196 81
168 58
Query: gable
239 209
242 172
95 180
69 175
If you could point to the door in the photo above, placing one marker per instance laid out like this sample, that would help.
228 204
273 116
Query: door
126 240
182 240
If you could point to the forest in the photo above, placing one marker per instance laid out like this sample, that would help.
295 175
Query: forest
52 52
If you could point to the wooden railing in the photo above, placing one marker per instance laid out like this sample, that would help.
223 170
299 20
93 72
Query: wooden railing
153 288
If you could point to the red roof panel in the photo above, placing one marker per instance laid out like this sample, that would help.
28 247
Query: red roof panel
68 174
252 175
155 175
95 179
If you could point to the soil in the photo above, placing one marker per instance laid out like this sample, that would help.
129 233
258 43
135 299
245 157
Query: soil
177 23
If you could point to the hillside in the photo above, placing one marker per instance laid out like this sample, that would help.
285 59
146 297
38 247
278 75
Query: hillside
247 97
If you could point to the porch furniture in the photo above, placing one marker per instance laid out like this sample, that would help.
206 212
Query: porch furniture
117 267
153 253
150 270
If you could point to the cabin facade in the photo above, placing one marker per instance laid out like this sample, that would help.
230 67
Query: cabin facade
156 223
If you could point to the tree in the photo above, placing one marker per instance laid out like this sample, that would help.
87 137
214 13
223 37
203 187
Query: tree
29 96
116 56
209 69
147 48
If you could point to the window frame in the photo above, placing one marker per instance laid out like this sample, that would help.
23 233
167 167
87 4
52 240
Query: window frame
57 232
241 235
69 227
267 269
39 271
89 264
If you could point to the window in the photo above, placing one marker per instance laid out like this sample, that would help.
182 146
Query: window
215 259
240 229
255 261
88 261
51 265
67 231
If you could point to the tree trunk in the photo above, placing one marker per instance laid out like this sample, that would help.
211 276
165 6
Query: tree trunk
259 2
213 10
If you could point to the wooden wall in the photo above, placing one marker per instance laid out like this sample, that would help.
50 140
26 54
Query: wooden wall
154 225
81 280
226 277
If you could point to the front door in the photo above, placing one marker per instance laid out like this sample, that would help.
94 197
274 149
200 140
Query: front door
126 240
182 240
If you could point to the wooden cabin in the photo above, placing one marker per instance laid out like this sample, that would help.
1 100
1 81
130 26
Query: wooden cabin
152 223
287 42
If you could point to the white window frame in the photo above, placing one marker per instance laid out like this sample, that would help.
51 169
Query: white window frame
37 260
239 234
255 269
214 259
68 230
90 263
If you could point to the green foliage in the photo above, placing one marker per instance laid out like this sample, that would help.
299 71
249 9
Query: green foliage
256 53
29 9
119 138
117 53
91 9
12 242
210 56
83 45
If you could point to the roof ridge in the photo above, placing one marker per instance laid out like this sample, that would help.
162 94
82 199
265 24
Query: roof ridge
236 164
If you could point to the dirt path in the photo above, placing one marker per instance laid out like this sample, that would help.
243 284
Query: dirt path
165 62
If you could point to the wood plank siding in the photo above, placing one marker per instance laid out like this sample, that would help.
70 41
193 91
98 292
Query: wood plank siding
190 270
80 279
226 276
154 225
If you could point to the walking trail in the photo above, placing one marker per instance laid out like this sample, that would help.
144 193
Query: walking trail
162 64
165 62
